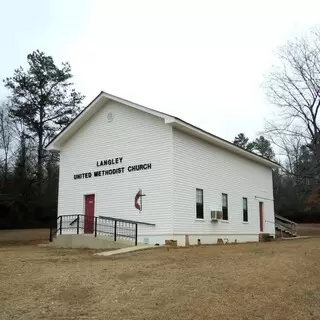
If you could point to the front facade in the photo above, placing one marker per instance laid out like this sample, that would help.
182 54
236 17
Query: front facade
116 149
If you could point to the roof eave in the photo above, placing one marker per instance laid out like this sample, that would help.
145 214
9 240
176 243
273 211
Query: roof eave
203 135
103 98
77 122
52 147
87 113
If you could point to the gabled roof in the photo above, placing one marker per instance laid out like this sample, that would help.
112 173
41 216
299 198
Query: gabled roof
95 105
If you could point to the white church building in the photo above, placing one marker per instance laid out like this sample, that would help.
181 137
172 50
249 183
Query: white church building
120 160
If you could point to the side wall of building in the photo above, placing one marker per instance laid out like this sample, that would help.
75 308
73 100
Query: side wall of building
198 164
118 131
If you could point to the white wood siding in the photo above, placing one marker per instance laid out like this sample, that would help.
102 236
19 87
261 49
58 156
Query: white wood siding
139 138
180 165
198 164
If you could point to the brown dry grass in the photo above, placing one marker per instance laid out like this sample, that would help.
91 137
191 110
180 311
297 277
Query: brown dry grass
278 280
24 236
309 229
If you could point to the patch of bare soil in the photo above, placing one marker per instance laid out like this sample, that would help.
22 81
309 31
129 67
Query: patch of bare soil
277 280
23 236
309 229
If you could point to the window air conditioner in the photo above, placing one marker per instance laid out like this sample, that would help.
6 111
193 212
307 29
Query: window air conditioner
219 215
216 215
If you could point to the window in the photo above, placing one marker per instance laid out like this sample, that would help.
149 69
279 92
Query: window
245 209
199 196
224 206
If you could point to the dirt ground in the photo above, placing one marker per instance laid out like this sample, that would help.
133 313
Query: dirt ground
277 280
33 236
24 236
309 229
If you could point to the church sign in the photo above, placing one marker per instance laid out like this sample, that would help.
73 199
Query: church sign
106 170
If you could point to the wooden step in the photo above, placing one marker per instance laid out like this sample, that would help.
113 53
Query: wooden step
285 225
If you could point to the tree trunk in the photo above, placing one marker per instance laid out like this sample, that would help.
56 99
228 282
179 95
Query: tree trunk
5 143
39 165
5 180
40 152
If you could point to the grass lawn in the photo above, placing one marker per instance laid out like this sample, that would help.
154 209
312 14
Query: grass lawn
278 280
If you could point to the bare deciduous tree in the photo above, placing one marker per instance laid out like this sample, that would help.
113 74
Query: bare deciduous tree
293 87
5 140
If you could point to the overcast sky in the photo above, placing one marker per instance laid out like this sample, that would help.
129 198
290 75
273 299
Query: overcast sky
202 61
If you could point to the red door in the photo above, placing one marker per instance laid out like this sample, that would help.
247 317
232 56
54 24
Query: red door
261 215
88 213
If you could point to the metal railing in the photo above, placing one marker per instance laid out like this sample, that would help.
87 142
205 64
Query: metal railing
108 226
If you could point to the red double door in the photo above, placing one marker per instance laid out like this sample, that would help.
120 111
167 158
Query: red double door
88 213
